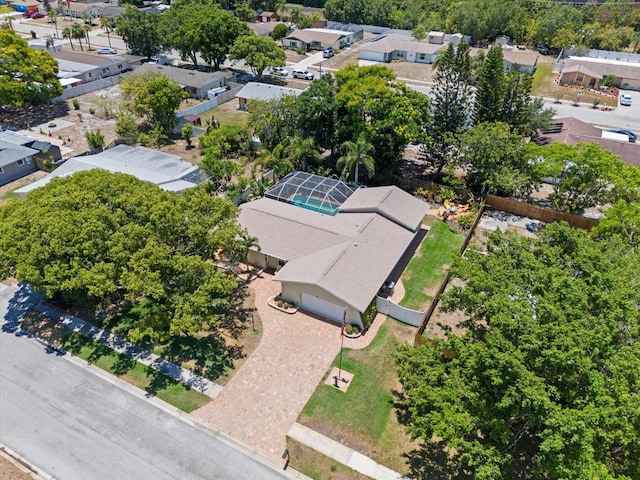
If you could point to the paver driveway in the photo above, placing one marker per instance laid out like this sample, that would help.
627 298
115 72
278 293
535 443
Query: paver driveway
264 398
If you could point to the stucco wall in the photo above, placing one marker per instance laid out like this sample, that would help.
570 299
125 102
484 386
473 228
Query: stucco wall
13 171
292 292
262 260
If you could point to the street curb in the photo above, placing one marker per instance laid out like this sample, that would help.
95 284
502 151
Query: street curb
23 463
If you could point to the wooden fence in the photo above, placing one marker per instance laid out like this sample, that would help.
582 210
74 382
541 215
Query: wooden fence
546 215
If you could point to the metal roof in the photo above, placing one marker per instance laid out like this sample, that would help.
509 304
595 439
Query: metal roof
309 190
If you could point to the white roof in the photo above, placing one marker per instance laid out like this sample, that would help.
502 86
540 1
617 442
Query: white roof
167 171
403 43
265 92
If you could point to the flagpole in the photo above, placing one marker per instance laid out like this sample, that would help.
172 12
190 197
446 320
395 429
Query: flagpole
344 318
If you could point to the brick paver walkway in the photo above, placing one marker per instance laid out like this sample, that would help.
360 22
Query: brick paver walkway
264 398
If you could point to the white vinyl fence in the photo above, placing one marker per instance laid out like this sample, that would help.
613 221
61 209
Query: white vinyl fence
209 104
88 87
393 310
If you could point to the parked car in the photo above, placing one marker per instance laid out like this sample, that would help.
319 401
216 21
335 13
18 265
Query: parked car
107 51
544 48
304 74
328 52
632 136
625 100
279 71
36 15
28 14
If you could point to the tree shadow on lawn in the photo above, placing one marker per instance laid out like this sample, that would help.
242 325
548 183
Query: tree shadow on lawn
209 356
431 459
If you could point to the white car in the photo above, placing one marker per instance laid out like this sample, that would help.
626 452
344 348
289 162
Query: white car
279 71
625 100
107 51
305 74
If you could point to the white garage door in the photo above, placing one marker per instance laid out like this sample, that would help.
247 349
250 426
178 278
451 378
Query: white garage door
322 307
372 56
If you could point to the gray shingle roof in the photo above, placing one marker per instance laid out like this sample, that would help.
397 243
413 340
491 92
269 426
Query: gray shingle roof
10 153
401 43
184 76
350 254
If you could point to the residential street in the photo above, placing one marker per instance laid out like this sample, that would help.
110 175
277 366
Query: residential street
74 424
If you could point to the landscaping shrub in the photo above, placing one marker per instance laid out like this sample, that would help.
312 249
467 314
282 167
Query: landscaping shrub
76 104
369 314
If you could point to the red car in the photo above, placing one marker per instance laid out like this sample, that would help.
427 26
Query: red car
37 15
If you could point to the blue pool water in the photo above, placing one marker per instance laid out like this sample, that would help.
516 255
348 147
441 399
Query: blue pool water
315 205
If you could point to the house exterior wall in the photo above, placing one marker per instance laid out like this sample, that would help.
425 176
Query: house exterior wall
373 56
292 292
630 83
579 78
262 260
293 43
13 171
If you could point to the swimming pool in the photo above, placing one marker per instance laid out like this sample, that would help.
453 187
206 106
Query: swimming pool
315 205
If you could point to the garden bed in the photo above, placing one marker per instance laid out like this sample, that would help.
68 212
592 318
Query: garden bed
282 305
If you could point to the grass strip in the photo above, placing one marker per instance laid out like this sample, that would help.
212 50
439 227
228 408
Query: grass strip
317 466
429 266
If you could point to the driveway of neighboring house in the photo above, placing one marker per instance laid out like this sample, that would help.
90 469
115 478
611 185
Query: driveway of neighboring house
265 397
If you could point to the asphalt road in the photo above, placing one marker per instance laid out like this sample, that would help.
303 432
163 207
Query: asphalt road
73 424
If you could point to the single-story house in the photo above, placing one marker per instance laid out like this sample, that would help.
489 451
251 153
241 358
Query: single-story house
24 6
21 155
573 131
522 61
49 45
265 17
88 67
333 244
263 29
401 47
194 82
589 72
169 172
263 92
320 38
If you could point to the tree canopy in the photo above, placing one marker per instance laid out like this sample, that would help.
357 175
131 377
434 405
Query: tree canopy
154 96
140 31
258 52
545 383
100 239
27 75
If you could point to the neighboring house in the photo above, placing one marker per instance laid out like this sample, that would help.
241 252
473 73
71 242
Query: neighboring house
321 38
572 131
517 60
263 29
589 71
49 45
263 92
386 48
169 172
20 155
194 82
265 17
88 67
24 6
333 244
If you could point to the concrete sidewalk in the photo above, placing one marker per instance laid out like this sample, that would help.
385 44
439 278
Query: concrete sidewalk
170 369
339 452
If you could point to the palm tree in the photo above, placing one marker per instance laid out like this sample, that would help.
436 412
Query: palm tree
53 16
7 24
280 8
105 24
63 6
68 33
302 152
87 29
78 33
276 160
295 15
357 153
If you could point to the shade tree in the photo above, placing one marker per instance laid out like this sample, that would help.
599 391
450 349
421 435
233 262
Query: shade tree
257 52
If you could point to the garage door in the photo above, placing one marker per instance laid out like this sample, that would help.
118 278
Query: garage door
322 307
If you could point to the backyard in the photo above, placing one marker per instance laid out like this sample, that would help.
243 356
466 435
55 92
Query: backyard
428 267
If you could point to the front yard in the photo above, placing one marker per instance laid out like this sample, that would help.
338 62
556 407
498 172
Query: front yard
365 418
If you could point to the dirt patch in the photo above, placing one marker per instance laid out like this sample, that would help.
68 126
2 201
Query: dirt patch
442 321
5 190
44 328
334 432
316 465
11 469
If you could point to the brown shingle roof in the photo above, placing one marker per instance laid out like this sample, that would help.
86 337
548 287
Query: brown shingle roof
620 70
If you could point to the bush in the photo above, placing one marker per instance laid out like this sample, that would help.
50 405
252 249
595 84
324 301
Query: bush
299 51
92 110
126 128
95 139
369 314
466 220
144 139
76 104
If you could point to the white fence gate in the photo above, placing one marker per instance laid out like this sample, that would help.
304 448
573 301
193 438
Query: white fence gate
393 310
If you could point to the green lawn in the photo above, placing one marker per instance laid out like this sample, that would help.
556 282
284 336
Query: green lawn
543 75
5 10
365 413
317 466
141 376
428 266
227 114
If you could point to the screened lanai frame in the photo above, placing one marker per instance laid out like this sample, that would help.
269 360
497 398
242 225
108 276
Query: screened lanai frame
313 192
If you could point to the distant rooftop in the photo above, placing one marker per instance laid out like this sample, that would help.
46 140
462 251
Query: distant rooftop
265 91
